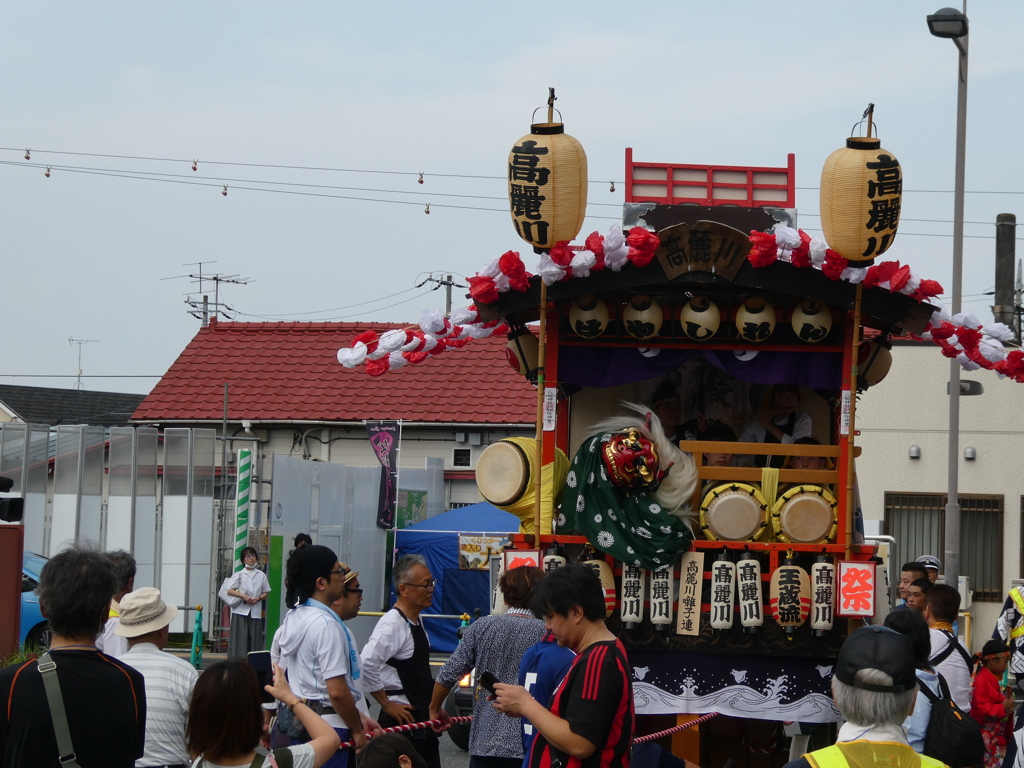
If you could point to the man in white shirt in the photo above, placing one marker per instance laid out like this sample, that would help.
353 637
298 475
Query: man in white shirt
322 665
948 657
779 423
169 680
396 658
108 640
252 586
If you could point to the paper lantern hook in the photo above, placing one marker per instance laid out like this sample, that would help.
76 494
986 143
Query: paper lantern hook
869 116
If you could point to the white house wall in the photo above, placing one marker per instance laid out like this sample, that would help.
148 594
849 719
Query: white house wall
910 407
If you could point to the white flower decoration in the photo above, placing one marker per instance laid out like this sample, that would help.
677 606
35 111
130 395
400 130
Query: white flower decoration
629 551
580 504
611 515
604 475
655 508
666 529
643 532
570 479
598 518
605 539
636 563
590 480
561 519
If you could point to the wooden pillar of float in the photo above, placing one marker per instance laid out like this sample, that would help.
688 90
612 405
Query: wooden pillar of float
686 743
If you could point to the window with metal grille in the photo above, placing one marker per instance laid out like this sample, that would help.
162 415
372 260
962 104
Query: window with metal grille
462 457
917 522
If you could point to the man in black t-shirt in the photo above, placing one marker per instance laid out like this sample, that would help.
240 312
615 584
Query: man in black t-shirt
590 721
105 700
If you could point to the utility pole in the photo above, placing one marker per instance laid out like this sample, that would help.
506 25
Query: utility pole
448 284
1018 294
80 342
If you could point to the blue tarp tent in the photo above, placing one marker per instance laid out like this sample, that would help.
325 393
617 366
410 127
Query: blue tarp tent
457 590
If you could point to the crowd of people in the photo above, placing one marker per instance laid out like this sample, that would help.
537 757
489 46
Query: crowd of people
553 684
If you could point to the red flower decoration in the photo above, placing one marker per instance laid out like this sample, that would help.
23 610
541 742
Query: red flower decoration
944 331
378 367
642 245
456 343
880 273
968 337
764 251
483 289
595 244
899 279
929 288
415 357
801 256
513 268
834 265
561 254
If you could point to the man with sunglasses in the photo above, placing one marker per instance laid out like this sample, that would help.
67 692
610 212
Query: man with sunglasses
317 650
396 658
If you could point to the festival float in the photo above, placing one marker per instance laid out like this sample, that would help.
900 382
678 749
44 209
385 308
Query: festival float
733 583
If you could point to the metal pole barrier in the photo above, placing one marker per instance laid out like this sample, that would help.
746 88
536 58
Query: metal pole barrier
196 655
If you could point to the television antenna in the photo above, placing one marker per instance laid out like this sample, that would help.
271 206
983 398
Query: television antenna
80 343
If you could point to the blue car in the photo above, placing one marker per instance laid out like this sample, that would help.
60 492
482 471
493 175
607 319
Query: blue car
35 630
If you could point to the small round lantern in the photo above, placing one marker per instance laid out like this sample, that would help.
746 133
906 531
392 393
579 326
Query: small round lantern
642 317
755 319
547 183
873 363
588 316
861 194
700 318
521 352
811 321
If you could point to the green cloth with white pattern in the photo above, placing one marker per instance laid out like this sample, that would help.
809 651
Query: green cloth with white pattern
628 525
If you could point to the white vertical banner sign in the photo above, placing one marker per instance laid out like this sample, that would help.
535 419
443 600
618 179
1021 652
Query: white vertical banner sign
691 579
823 595
723 587
244 479
631 604
748 573
661 598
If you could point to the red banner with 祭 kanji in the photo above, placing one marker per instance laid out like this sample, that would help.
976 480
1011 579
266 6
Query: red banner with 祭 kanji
856 596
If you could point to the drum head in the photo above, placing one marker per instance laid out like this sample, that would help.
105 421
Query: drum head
502 473
733 512
805 515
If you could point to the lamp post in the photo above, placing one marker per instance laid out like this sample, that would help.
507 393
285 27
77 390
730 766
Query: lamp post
952 24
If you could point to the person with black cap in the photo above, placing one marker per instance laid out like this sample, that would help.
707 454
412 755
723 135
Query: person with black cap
874 687
321 662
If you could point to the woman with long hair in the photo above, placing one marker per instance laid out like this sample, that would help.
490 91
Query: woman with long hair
225 721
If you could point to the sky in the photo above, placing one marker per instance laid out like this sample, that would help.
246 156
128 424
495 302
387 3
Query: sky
396 89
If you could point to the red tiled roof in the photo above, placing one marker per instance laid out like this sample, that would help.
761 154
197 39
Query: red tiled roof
289 372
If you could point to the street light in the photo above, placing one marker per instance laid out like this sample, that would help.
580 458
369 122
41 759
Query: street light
952 24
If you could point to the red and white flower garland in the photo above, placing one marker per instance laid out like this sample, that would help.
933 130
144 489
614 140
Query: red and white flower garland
398 347
962 336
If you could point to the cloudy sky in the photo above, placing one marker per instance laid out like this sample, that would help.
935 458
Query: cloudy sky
359 98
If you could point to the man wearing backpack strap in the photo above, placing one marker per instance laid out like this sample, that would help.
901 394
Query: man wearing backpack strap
948 657
875 687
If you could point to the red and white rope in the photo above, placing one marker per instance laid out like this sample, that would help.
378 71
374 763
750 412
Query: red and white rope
413 727
639 740
674 729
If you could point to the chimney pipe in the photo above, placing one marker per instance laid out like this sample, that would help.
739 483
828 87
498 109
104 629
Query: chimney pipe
1006 232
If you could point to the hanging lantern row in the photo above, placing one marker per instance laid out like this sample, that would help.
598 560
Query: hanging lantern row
700 318
796 597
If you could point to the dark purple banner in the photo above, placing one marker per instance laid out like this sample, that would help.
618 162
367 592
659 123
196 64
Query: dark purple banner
384 437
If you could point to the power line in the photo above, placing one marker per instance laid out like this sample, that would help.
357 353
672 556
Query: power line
344 317
83 376
334 309
329 169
